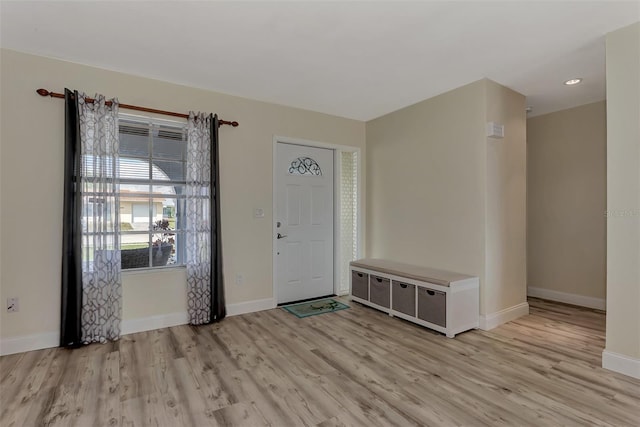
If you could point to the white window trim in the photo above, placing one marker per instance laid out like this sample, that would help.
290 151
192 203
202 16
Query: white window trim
162 122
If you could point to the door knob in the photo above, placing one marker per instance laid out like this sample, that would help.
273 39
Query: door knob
281 236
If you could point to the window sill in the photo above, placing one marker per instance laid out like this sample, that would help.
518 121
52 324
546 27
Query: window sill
151 270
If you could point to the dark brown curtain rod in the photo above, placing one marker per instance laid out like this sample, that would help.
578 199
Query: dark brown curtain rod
44 92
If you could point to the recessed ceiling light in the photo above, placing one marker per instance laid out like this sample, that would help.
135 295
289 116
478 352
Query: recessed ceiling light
572 82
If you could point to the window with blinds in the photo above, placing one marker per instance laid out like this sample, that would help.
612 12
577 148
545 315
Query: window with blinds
152 193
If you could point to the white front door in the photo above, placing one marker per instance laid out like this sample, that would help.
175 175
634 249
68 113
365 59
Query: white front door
304 222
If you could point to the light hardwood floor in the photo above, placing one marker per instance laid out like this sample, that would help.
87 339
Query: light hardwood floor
352 367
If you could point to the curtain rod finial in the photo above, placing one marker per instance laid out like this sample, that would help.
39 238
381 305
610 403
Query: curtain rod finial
227 122
42 92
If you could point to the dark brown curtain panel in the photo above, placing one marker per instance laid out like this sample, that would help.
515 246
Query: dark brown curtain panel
218 310
70 328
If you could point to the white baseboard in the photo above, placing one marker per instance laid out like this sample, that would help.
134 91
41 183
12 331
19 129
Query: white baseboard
490 321
250 306
574 299
130 326
52 339
142 324
620 363
29 343
182 318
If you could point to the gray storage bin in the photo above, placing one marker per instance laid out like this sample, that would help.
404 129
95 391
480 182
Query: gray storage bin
404 298
432 306
379 291
360 284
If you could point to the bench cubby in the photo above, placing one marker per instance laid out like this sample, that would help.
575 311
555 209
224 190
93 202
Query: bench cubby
445 301
379 291
360 285
404 297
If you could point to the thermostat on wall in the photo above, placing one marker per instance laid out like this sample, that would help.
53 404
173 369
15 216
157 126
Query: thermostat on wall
495 130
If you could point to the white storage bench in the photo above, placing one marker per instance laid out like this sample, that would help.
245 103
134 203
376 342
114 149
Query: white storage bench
441 300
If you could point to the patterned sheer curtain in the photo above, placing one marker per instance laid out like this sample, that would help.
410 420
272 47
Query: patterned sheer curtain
91 286
205 287
99 172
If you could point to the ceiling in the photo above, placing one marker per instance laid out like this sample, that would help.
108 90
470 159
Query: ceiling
352 59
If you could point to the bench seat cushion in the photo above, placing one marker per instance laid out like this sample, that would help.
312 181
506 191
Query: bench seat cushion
424 274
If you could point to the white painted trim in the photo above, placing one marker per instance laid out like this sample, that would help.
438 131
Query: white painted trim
142 324
310 143
250 306
336 211
153 118
620 363
182 318
490 321
29 343
130 326
337 208
567 298
274 229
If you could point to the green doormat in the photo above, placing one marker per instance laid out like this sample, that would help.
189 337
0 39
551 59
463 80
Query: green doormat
311 308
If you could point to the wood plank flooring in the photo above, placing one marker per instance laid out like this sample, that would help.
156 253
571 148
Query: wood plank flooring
354 367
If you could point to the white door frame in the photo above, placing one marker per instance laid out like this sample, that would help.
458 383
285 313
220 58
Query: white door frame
336 206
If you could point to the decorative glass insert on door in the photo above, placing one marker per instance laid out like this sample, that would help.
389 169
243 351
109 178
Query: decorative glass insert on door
305 166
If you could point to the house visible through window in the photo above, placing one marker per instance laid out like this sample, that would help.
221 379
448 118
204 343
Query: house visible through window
152 193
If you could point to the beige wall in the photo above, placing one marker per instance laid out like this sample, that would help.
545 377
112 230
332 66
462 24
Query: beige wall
506 203
425 181
623 193
428 186
567 196
31 175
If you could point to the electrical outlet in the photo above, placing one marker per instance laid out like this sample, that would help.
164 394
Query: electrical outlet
239 279
13 305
